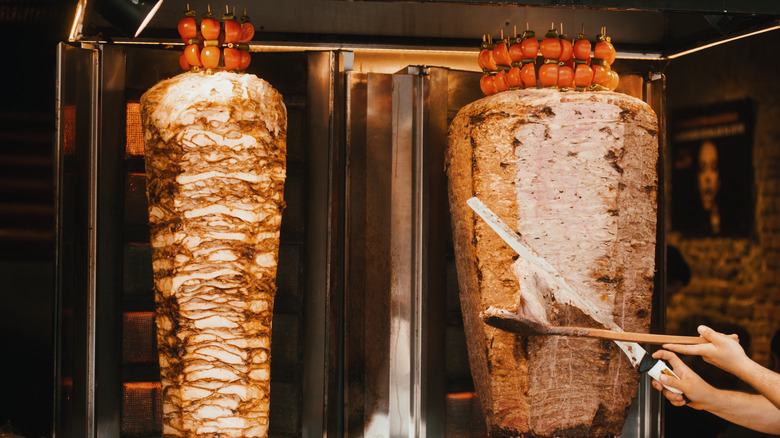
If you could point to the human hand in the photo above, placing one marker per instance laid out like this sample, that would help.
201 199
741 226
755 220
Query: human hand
695 390
723 351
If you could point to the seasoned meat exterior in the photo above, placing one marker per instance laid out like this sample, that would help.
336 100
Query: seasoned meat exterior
215 163
575 174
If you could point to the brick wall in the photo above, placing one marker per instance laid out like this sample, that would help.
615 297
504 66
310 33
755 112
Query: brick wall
735 280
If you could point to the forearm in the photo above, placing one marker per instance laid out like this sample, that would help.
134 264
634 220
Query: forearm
749 410
762 380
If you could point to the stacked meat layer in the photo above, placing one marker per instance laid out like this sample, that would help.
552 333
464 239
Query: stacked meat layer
215 163
575 174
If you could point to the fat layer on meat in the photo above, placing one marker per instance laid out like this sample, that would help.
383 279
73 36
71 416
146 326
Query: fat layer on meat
575 173
215 162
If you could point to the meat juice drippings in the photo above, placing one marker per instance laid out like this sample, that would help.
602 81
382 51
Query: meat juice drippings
215 161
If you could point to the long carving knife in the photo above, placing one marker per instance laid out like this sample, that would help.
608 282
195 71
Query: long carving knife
637 355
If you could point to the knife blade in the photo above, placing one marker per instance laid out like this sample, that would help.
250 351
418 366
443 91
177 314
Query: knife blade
637 355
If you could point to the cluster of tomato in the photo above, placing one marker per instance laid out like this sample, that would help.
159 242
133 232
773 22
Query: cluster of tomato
565 65
211 46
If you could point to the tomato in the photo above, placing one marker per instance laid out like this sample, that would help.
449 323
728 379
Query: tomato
513 77
247 32
599 74
516 52
210 57
613 81
530 47
188 28
209 27
606 51
192 54
551 45
232 31
548 75
565 76
487 85
500 80
528 75
245 59
232 58
183 62
583 76
566 50
487 60
582 48
501 54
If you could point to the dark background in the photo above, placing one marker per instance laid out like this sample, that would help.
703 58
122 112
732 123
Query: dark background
30 30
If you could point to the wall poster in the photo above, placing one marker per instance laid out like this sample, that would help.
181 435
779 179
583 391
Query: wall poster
712 170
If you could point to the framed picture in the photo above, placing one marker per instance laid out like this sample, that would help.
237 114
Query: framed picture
712 170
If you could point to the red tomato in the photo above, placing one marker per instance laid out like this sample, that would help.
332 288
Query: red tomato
232 31
247 32
566 50
487 85
582 49
210 29
528 75
530 47
548 75
606 51
551 48
565 76
183 62
245 59
599 74
192 54
516 52
513 77
488 60
210 56
614 80
188 28
583 76
501 54
481 58
500 80
232 58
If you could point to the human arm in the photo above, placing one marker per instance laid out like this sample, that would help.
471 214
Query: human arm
750 410
725 352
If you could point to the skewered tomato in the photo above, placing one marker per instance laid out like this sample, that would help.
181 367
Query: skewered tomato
599 74
247 29
245 59
188 28
605 50
528 75
513 77
567 49
487 85
614 80
501 54
583 76
232 28
232 58
582 48
551 45
548 75
500 81
565 76
183 62
209 56
209 27
529 45
487 60
516 50
192 54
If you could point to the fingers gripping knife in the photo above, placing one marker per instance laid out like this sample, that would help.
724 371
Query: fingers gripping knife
637 355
